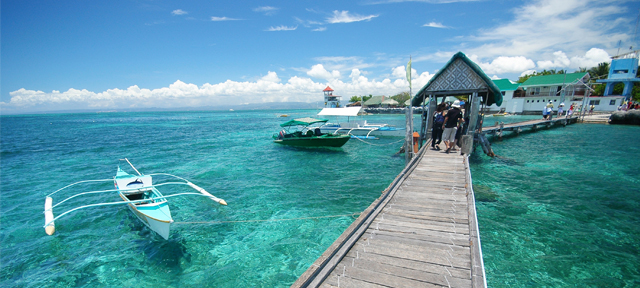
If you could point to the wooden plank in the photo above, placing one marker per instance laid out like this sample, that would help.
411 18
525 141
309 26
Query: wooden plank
429 236
410 192
419 216
440 257
438 279
336 280
416 233
385 280
419 237
411 264
427 225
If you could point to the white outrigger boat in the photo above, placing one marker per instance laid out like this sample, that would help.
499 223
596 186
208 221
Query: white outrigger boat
357 129
138 192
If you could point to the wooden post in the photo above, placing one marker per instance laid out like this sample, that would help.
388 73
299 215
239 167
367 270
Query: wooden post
408 143
433 103
473 115
467 140
500 130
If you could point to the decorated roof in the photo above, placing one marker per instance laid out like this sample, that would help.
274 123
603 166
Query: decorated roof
460 74
327 89
554 79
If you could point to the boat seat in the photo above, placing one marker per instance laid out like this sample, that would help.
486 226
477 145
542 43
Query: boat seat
318 132
309 133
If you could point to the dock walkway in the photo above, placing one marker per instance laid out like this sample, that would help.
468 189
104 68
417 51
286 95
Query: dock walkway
533 124
422 232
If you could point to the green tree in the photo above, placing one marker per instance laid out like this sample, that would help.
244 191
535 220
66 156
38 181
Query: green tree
365 98
598 90
599 72
524 78
401 97
354 99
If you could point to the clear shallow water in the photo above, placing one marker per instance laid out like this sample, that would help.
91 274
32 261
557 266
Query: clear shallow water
230 154
559 209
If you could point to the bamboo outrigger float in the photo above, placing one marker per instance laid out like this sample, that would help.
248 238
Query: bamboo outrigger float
140 195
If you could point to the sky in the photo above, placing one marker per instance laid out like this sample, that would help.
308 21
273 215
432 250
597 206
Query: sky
127 54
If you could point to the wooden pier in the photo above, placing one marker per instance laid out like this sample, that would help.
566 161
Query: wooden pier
422 232
499 128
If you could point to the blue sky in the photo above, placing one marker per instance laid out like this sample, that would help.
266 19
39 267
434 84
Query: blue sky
66 55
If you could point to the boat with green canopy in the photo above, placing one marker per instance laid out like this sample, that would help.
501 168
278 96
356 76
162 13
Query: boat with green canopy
305 132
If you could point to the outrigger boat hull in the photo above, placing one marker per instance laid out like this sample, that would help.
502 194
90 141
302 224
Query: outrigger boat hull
156 217
328 141
138 193
308 136
154 212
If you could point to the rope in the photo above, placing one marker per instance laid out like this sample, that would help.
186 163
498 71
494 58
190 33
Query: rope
272 220
380 144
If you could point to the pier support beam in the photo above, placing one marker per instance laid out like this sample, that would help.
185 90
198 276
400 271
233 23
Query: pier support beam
408 145
467 140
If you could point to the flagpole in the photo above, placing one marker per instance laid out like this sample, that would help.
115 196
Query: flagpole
409 121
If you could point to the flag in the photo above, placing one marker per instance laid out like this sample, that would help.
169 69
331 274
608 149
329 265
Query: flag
409 72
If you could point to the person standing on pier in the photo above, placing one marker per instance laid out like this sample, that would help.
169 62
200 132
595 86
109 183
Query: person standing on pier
436 132
570 112
560 109
450 126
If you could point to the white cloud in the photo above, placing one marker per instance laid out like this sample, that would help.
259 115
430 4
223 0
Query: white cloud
399 72
271 77
282 28
434 25
268 88
320 29
504 64
318 71
560 60
267 10
590 59
544 26
214 18
527 72
345 17
179 12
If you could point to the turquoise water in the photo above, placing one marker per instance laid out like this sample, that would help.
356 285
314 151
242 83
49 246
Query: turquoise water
230 154
559 208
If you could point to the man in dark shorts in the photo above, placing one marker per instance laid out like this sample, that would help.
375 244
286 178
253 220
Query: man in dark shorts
450 126
438 120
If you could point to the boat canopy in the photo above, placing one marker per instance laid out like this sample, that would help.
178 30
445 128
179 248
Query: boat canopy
303 121
346 111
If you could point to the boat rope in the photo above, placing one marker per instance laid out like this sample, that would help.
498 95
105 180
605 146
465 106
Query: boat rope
353 215
380 144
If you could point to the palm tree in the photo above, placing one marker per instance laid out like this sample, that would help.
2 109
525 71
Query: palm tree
599 72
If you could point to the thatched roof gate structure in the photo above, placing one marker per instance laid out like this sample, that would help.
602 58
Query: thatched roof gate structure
464 79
